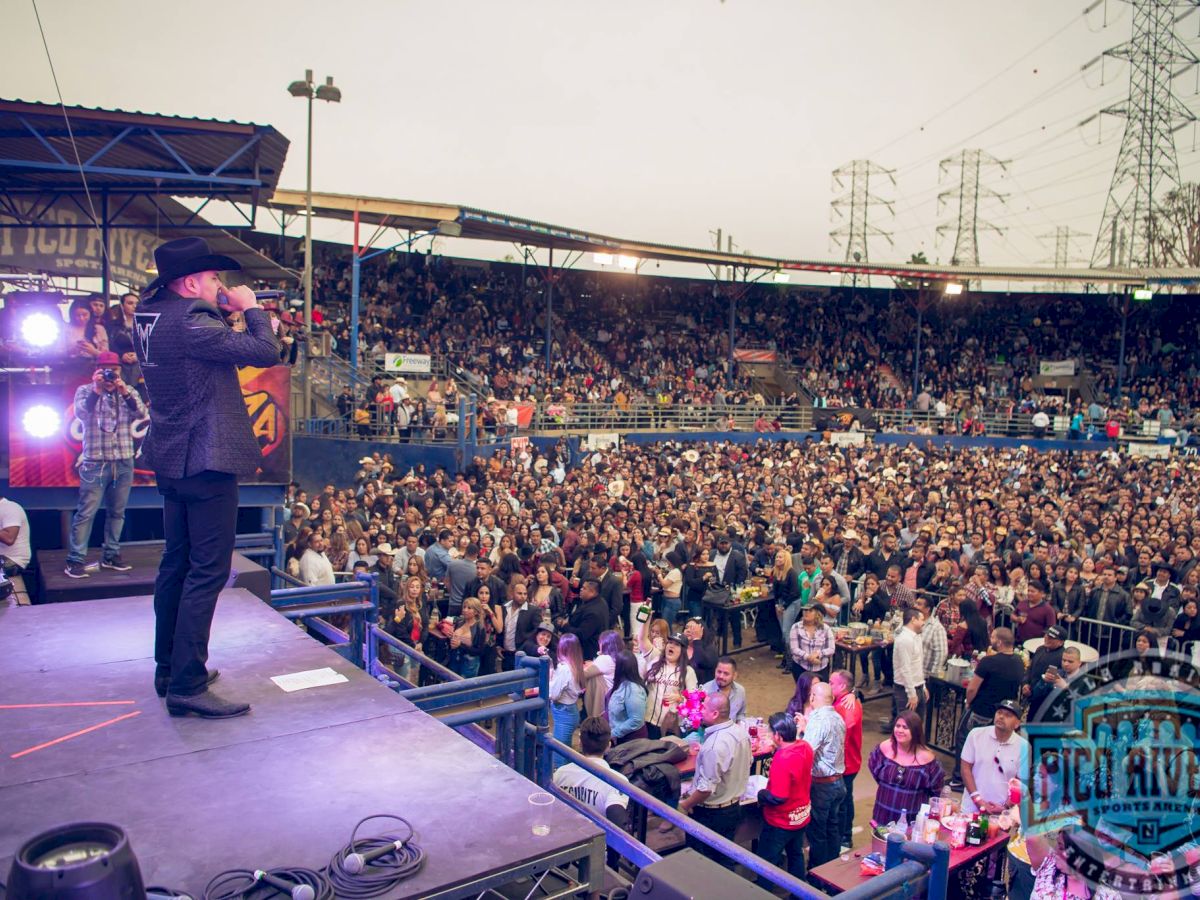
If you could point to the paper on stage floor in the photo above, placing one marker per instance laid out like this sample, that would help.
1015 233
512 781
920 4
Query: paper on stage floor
299 681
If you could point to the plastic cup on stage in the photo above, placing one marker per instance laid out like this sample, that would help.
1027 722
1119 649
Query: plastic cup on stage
541 802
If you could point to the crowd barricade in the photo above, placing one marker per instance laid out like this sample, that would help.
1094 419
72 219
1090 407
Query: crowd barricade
517 707
1103 637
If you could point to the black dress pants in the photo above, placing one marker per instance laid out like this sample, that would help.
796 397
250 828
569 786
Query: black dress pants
200 523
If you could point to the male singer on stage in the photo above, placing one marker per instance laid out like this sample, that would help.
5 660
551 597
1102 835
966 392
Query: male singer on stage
198 444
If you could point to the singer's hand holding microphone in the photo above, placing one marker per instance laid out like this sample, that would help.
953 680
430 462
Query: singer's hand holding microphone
237 299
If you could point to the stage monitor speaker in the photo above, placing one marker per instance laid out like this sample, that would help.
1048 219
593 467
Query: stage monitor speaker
688 875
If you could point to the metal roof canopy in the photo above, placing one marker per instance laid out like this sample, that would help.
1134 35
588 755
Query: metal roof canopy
133 152
128 166
490 226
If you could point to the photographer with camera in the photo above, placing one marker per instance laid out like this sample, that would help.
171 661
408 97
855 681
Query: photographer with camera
108 408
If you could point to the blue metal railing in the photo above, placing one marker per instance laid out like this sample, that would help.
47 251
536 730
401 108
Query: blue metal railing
523 741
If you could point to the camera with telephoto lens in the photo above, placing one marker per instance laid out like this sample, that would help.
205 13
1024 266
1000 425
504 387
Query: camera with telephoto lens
109 374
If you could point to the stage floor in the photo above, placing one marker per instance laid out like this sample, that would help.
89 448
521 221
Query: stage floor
282 786
58 588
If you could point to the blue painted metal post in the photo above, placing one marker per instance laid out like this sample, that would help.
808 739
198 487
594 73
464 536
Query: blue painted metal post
355 277
473 412
361 638
461 433
939 872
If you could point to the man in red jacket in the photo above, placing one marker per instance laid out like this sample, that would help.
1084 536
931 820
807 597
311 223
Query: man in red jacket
786 801
848 707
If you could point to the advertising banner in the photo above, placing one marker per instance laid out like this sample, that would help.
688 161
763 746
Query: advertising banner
1056 367
45 439
407 363
754 356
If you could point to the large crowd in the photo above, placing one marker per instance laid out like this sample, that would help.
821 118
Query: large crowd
629 339
605 568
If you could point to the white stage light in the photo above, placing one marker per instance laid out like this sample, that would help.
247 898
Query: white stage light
41 421
40 329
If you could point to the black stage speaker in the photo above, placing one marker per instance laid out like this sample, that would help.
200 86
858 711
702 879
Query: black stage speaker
688 875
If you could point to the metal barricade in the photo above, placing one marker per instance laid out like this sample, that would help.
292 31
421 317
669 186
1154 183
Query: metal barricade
1103 637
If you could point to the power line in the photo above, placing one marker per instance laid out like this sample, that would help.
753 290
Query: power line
975 90
70 133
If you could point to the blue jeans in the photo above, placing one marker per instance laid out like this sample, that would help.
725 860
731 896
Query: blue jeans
825 828
790 614
775 842
107 481
847 831
464 664
670 610
566 720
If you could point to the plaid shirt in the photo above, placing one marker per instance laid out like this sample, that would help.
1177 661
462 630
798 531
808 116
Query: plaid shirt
934 646
107 422
803 645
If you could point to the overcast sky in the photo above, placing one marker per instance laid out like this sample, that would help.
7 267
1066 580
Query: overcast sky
650 120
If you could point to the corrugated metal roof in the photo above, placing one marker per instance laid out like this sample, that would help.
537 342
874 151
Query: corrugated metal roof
484 225
201 145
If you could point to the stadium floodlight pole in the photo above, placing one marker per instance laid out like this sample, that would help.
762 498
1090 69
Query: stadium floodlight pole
308 90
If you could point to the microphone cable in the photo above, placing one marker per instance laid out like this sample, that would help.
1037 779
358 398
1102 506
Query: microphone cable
381 874
235 884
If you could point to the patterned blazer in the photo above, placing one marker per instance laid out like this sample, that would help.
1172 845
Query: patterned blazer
189 359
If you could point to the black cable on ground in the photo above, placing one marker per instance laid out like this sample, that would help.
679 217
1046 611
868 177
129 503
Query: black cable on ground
376 876
235 884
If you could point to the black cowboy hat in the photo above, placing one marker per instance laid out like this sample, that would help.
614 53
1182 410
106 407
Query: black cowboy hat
187 256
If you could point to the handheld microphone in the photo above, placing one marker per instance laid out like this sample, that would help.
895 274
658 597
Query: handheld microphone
296 891
356 862
223 298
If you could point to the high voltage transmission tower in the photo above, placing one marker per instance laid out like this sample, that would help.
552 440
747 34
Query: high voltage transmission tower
853 207
1063 257
968 192
1147 166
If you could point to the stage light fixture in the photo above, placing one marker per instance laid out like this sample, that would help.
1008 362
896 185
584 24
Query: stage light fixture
79 861
40 330
41 421
1143 293
953 289
782 277
33 322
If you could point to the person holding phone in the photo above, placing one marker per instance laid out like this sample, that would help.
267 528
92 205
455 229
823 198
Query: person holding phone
198 443
1044 667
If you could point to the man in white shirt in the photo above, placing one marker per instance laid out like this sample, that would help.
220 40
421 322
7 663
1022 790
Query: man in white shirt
14 546
722 772
991 756
908 666
315 567
14 533
603 799
410 549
